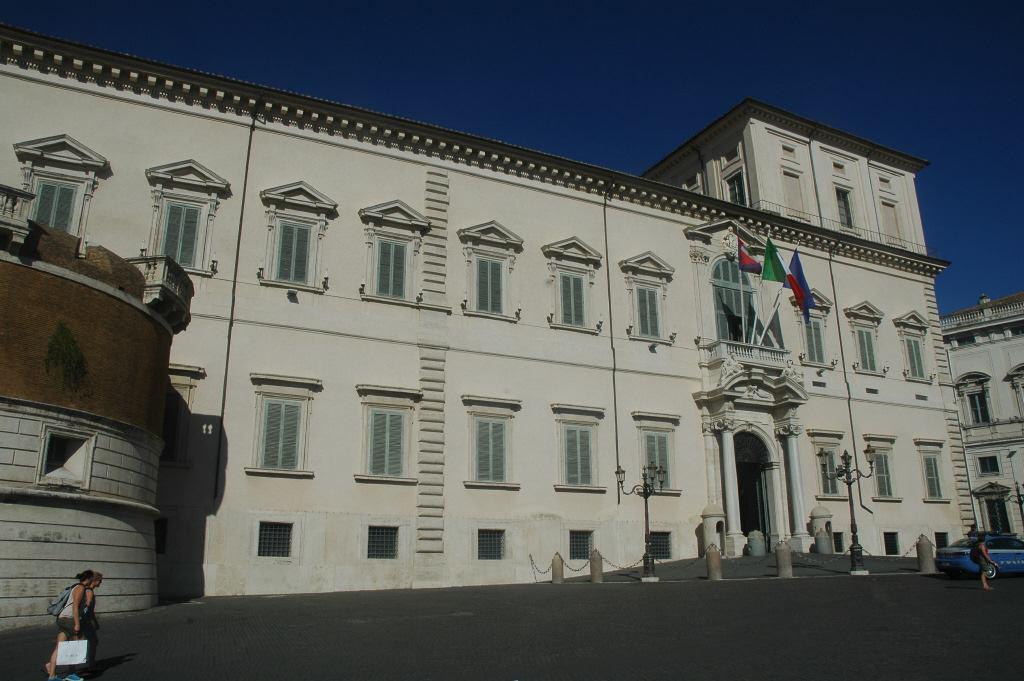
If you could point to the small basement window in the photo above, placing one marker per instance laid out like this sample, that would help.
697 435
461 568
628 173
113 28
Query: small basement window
941 540
580 544
490 544
661 545
892 543
275 540
66 458
382 542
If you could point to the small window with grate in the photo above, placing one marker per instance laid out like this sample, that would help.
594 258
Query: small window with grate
988 465
581 542
490 544
941 540
275 540
382 542
837 542
892 543
661 545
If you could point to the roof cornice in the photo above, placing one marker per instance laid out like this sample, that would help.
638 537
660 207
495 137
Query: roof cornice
106 69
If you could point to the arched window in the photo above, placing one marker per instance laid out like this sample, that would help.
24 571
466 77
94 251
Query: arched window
737 317
972 389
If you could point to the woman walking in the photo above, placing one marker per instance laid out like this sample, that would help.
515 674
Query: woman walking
69 622
90 625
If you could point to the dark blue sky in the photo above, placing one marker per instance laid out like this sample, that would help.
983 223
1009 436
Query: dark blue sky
621 84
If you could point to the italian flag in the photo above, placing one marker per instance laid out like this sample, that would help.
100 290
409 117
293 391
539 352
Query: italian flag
791 277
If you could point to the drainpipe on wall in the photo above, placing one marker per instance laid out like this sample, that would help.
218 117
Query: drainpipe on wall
846 378
231 313
611 333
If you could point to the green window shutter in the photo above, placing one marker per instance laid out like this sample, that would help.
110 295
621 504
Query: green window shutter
663 457
290 435
498 451
272 434
286 251
301 267
483 450
579 316
46 197
815 343
643 311
914 359
566 291
883 482
384 268
495 293
931 473
172 230
651 440
829 485
584 458
483 285
395 427
398 270
572 456
867 349
189 231
62 211
378 443
652 313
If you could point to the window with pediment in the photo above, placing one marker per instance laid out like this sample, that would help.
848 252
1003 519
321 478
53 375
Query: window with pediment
815 330
1016 381
394 235
490 249
735 301
864 320
297 217
572 268
912 329
972 389
64 175
647 277
185 196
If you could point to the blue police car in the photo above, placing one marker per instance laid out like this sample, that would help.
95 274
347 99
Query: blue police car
1006 550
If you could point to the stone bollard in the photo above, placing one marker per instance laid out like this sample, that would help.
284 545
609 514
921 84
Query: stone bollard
596 573
557 569
756 543
822 542
925 556
784 559
713 558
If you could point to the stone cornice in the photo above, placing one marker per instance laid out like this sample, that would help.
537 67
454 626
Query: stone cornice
229 97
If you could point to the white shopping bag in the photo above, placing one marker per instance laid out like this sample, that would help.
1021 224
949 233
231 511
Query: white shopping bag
72 652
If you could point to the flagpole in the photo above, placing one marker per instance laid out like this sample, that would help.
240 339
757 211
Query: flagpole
743 302
775 311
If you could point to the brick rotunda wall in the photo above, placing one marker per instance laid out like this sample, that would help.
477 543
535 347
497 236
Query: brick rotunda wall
109 397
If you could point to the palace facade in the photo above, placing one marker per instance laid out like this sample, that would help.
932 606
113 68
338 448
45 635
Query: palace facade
985 343
417 357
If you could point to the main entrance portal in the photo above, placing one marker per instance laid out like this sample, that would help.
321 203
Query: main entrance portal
752 463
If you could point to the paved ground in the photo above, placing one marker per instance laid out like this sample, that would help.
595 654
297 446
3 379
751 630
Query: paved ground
896 626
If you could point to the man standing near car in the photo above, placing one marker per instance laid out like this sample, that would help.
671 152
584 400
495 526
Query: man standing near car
980 555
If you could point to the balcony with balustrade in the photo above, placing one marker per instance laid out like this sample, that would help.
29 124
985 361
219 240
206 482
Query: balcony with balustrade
844 228
168 289
14 227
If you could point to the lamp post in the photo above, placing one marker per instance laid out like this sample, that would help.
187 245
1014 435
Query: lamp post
651 474
848 474
1016 486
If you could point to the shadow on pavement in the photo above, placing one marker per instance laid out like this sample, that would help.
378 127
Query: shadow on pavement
107 663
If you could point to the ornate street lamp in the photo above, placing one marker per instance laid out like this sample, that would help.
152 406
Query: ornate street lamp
848 474
651 474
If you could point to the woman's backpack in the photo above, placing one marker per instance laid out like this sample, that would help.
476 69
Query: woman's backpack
60 601
975 554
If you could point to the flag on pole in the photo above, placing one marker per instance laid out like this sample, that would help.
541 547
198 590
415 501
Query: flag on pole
801 290
746 261
774 269
791 277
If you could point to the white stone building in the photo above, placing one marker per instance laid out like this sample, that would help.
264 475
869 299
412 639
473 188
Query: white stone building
417 357
986 351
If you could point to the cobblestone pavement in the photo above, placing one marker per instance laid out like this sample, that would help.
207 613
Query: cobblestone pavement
898 626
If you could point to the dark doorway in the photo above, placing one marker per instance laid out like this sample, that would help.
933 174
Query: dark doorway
998 520
752 480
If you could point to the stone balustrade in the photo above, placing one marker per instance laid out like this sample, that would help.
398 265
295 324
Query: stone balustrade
168 289
13 224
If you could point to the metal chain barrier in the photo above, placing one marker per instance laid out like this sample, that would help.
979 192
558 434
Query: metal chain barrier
536 570
619 567
583 567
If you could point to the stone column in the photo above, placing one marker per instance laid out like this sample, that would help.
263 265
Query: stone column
801 540
734 539
711 464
